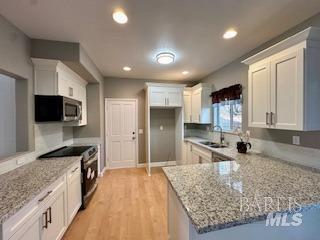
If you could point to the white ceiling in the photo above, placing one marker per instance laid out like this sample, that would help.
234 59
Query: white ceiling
192 29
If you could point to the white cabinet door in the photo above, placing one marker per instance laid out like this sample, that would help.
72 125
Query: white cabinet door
63 85
74 191
174 97
158 96
31 230
189 153
83 98
187 106
287 76
259 95
57 214
196 106
195 158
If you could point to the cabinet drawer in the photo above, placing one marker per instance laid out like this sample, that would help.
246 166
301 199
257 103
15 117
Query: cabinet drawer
14 223
201 152
74 170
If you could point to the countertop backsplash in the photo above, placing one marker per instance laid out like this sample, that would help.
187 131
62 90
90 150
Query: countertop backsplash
292 153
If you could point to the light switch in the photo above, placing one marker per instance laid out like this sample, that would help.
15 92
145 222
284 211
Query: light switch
140 131
161 128
296 140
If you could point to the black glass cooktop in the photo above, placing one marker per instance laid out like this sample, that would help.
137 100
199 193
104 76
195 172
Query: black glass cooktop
66 152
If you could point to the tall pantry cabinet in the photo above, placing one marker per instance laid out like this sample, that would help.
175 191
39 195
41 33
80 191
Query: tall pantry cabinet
165 103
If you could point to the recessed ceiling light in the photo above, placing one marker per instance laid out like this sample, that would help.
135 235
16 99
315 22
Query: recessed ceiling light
185 72
165 58
231 33
120 17
126 68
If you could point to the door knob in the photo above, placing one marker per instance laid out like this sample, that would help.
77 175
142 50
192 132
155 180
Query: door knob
133 133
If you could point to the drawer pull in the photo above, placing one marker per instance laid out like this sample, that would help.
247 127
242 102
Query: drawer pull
74 170
44 197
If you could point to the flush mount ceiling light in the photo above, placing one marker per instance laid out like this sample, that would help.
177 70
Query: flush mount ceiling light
119 16
185 72
126 68
165 58
231 33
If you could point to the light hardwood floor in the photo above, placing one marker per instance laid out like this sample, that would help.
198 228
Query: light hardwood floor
128 205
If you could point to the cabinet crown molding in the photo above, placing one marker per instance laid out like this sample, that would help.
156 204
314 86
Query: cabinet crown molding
153 84
306 36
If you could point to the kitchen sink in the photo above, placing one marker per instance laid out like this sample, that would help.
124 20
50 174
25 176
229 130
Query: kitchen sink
213 144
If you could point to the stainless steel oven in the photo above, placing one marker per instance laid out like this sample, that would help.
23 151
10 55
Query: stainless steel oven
89 167
57 108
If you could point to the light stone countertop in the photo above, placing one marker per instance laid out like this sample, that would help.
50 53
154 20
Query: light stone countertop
212 193
21 185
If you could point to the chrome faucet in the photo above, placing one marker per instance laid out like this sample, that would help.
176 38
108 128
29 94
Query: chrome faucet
221 133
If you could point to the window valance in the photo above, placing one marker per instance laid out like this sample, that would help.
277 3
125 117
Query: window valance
230 93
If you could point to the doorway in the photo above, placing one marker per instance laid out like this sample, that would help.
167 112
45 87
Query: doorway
121 132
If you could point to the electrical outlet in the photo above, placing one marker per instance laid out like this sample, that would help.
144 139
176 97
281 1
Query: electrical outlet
140 131
296 140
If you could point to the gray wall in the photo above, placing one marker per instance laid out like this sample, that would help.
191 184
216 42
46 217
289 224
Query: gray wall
93 105
236 72
15 61
131 88
7 116
162 143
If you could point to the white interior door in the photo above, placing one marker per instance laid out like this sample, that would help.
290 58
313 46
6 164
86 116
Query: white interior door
122 133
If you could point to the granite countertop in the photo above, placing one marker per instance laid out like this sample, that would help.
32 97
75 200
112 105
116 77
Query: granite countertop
21 185
212 193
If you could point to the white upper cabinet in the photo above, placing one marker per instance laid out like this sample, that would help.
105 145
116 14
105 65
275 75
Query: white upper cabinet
52 77
259 94
197 103
187 100
284 84
165 95
158 96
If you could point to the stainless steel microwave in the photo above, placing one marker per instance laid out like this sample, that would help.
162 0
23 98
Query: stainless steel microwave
57 109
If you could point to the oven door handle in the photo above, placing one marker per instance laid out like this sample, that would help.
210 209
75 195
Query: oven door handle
86 164
80 113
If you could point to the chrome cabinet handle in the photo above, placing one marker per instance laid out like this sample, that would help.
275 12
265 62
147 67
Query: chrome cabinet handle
199 118
45 214
50 216
190 118
168 102
267 118
45 196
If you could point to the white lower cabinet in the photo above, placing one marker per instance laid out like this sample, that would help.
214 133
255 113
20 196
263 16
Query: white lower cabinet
31 230
49 214
55 214
196 154
74 191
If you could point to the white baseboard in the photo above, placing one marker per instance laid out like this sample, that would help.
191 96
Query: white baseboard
158 164
102 172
